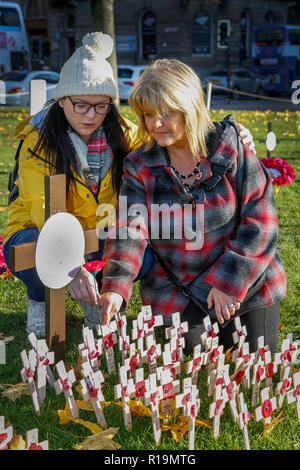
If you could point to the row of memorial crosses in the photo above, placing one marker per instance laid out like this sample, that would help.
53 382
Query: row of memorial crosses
32 438
161 389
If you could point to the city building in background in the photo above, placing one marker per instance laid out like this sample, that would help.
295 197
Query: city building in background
206 34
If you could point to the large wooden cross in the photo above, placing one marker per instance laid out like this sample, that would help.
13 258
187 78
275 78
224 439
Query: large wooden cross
23 257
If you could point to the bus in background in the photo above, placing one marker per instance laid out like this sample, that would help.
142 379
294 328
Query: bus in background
14 48
276 56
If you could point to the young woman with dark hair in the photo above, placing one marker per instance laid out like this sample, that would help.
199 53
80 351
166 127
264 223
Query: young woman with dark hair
79 134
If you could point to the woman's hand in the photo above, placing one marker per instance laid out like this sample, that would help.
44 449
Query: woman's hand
246 136
225 305
82 287
110 304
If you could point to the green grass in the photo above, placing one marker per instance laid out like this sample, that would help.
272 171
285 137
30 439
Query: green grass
13 305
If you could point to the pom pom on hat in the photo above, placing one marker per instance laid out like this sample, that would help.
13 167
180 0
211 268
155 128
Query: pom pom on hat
87 71
100 43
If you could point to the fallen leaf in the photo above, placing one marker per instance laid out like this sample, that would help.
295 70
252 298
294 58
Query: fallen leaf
268 428
65 417
17 443
100 441
16 391
6 339
228 355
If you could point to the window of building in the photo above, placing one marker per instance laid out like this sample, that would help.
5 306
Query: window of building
270 17
148 36
202 33
36 9
245 36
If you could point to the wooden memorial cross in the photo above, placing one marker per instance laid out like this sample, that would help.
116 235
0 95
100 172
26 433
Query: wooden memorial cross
6 434
244 418
153 352
294 394
64 384
169 362
90 350
170 388
43 358
230 393
259 374
141 384
211 331
216 409
27 374
176 331
32 441
23 257
194 366
191 404
216 375
268 405
240 331
125 390
152 398
132 361
283 387
242 367
287 355
91 390
109 339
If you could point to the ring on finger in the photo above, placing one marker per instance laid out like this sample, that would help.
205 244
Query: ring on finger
231 306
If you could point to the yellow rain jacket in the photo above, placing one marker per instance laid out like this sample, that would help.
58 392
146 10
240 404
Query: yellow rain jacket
28 210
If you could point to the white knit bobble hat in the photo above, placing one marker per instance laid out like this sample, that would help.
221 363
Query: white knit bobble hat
87 72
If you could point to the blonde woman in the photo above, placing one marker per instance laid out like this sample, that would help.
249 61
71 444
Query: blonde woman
225 262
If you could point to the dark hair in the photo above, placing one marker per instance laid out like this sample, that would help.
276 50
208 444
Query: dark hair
60 155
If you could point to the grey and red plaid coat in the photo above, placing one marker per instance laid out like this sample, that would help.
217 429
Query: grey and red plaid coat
240 228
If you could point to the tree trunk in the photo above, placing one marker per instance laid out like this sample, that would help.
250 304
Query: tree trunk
103 20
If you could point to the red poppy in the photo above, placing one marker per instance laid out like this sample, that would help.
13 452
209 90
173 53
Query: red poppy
262 352
66 385
124 392
285 385
247 359
3 266
296 392
259 373
270 370
152 354
3 438
211 333
266 408
214 355
94 266
168 391
171 368
219 408
197 363
140 388
94 355
186 399
238 377
150 322
133 362
220 381
29 372
120 323
194 410
108 341
180 331
246 418
154 398
93 392
287 173
285 357
35 446
230 391
174 355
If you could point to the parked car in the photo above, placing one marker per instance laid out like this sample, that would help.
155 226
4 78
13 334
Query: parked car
17 85
240 80
127 76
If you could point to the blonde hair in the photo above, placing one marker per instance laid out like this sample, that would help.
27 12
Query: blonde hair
169 84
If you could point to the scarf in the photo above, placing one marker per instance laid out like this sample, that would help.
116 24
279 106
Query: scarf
94 159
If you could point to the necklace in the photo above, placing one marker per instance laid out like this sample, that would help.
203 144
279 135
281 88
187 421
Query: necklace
196 171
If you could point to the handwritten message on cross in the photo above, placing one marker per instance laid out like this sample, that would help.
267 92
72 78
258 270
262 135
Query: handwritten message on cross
23 257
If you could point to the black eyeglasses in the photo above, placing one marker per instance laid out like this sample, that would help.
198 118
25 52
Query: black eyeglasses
83 108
